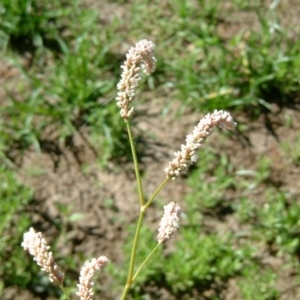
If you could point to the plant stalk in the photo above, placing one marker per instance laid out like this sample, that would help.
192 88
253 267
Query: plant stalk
133 254
136 165
145 261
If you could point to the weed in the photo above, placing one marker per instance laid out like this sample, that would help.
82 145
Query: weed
138 57
69 58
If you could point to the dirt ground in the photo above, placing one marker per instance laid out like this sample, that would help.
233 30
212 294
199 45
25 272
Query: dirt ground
70 176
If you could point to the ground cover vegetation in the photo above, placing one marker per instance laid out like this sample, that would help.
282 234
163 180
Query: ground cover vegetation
66 167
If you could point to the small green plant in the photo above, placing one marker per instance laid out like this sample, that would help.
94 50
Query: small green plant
138 57
34 23
279 223
13 223
210 193
293 150
262 286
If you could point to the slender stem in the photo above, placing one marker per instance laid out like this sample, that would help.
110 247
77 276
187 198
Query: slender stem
145 261
136 164
63 290
133 254
156 192
141 216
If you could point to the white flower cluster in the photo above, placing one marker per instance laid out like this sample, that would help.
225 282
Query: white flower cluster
169 222
85 291
187 155
140 56
37 246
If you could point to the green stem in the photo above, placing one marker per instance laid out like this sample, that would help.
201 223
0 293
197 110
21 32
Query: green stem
63 290
156 192
133 254
136 165
141 216
144 262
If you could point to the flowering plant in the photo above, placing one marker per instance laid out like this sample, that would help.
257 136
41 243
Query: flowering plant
138 58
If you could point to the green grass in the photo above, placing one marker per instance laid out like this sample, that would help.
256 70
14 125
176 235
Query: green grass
250 70
73 59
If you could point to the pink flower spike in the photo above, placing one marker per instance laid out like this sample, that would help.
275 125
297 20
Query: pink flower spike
85 291
37 246
137 58
187 155
169 222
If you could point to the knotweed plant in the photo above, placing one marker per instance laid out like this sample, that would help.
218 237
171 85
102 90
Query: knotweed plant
139 58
